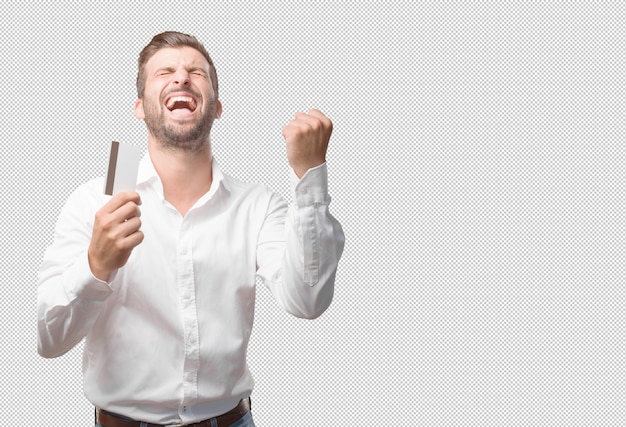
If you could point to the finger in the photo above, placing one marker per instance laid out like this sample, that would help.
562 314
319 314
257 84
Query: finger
306 118
120 199
294 127
313 112
128 211
317 113
324 120
303 124
132 240
123 214
315 119
109 222
129 227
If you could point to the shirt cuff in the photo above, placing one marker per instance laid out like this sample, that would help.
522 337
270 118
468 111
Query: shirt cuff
87 286
312 188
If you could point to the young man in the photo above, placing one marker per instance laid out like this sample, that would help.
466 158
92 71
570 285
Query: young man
161 281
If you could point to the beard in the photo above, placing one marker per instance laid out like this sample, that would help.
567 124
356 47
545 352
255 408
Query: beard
189 137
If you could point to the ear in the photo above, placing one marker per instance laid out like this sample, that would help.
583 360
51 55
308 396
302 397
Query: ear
139 113
218 109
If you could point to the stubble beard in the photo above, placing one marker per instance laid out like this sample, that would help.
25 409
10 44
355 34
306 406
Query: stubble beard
191 138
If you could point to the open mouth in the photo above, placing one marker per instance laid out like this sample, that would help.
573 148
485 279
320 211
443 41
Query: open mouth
181 103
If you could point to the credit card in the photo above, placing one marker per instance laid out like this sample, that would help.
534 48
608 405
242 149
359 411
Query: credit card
123 168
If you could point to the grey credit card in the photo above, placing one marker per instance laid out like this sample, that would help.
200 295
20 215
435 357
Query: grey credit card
123 168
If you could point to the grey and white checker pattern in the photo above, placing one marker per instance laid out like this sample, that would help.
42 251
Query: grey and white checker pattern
477 166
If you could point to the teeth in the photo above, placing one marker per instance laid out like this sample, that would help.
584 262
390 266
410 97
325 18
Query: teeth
186 99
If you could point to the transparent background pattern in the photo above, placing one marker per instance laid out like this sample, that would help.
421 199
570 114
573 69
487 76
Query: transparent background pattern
477 167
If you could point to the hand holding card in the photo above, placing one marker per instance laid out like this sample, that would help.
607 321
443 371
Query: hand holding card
116 229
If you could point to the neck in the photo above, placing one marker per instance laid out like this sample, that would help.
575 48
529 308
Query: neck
185 176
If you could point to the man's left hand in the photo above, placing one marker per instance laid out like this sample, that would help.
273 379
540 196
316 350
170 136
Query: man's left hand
307 137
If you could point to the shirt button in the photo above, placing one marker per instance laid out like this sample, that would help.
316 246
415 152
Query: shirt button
303 190
183 250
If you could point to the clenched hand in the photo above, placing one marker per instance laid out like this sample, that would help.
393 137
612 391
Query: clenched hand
307 137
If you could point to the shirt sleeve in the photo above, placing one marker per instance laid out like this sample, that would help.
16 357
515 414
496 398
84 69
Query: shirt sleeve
299 249
69 297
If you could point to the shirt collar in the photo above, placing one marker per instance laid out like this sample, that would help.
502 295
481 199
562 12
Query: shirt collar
147 175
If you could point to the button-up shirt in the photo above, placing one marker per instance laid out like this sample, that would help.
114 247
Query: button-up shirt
167 335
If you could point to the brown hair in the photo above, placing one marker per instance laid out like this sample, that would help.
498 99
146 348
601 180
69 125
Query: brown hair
171 39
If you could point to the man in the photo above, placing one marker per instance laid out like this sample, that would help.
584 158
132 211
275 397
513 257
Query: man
160 281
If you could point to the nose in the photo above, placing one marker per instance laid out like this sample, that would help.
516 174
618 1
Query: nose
181 77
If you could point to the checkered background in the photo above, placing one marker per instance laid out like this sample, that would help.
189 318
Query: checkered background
477 167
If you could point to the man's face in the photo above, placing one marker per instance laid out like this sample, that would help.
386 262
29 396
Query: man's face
178 103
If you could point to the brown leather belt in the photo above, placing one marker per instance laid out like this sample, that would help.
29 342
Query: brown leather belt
108 419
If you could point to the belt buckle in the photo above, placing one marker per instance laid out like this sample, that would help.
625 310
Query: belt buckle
175 425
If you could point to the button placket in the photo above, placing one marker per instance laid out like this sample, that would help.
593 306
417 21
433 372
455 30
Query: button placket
186 292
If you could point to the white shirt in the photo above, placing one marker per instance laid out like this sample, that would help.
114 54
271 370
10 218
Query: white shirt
166 337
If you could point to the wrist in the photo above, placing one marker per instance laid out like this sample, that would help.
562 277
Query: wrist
99 272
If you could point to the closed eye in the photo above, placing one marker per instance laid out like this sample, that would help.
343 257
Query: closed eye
197 72
164 71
